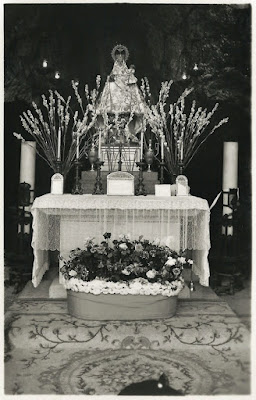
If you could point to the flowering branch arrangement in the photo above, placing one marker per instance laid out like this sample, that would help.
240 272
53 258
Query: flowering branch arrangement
124 266
182 133
60 133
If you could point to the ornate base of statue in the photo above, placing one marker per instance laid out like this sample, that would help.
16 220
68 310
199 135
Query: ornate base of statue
140 188
98 188
162 165
77 188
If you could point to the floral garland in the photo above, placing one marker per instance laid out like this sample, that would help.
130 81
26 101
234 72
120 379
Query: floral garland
124 266
137 286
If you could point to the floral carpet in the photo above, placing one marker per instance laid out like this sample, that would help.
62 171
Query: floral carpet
204 350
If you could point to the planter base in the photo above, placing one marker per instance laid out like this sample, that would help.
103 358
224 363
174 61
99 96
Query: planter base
104 307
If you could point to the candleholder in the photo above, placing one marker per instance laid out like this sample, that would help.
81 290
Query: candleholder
77 189
92 156
98 188
162 165
191 283
181 167
149 156
140 188
58 168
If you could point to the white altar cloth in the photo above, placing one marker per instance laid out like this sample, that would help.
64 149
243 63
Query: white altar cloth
63 222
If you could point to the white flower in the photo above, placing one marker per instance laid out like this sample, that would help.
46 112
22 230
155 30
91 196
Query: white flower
72 273
121 237
124 291
171 261
147 291
182 260
156 242
123 246
190 262
133 290
126 272
151 274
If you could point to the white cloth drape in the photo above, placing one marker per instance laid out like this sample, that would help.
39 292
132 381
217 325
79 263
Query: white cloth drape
64 222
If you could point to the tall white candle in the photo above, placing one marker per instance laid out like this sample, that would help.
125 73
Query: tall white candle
59 143
77 147
27 170
181 151
230 174
99 148
162 148
141 144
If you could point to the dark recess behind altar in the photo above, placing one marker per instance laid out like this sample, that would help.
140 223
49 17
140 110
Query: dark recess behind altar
163 40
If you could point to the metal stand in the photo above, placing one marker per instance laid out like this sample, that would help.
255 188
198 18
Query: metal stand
228 247
21 260
162 164
140 188
98 188
77 189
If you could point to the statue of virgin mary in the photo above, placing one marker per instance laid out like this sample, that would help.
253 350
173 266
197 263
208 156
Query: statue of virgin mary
121 95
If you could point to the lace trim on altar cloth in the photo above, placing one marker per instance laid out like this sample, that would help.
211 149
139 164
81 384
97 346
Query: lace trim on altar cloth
87 201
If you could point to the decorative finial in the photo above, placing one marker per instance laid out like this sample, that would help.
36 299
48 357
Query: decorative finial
120 49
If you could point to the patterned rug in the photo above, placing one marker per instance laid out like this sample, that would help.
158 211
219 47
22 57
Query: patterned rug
204 350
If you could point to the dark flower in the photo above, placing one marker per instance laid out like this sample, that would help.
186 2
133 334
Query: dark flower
107 235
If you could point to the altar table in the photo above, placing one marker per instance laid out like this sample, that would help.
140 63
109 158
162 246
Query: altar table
64 222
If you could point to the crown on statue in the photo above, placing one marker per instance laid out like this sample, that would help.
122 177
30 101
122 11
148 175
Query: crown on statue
119 48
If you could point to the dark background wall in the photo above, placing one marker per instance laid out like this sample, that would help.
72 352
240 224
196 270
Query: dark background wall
164 41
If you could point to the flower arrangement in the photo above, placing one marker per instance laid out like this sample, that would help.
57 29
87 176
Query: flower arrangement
124 266
60 133
182 133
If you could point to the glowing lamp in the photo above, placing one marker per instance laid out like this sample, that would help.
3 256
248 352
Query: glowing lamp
57 75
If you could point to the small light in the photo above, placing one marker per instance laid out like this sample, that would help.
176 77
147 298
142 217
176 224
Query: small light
76 82
45 64
160 385
57 75
195 67
184 76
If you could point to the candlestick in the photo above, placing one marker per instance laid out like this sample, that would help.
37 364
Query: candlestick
27 171
59 142
162 164
181 151
162 148
77 147
77 189
140 188
230 175
141 145
99 148
98 188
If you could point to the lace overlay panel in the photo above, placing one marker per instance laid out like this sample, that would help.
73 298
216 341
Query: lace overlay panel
63 222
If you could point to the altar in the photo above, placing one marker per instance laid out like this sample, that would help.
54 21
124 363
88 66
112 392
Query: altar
64 222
